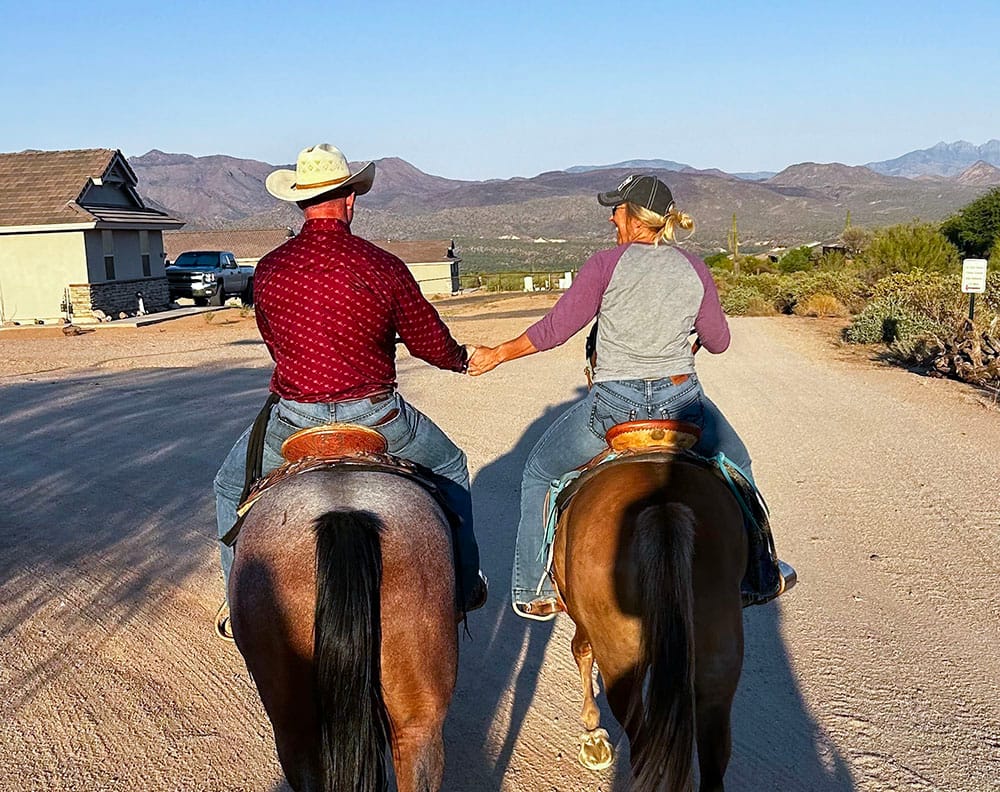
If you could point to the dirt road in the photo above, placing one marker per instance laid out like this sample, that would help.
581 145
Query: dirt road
880 671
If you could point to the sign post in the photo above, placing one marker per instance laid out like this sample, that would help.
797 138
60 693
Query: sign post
973 281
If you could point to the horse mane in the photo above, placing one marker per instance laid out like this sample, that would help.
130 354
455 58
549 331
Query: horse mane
347 650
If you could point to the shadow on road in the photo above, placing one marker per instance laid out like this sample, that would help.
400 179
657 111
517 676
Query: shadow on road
108 504
498 670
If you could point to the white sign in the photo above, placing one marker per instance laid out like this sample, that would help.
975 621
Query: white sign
973 276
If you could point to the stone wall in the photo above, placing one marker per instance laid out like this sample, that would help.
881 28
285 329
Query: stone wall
113 297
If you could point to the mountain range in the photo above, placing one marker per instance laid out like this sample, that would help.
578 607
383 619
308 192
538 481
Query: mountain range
803 203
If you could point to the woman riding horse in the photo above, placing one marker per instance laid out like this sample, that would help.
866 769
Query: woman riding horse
647 297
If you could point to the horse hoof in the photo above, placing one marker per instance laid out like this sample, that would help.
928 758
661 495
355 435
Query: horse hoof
596 752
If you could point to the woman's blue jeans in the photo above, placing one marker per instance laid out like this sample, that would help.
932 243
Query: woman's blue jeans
410 435
577 436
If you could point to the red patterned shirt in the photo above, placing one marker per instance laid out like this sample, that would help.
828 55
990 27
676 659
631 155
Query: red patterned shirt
329 306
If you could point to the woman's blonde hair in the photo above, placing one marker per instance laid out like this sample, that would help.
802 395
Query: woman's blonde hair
662 226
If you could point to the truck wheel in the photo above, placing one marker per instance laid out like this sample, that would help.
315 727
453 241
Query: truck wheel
201 302
247 296
220 296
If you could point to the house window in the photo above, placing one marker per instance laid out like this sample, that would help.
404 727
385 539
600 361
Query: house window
108 241
144 253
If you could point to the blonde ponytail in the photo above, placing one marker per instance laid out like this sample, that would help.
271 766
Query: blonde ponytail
662 227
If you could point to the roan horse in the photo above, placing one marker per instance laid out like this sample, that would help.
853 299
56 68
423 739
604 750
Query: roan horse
648 558
342 598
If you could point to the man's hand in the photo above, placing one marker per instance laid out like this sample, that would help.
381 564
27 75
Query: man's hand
483 359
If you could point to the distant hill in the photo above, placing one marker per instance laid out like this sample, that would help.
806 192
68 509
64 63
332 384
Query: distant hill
635 164
942 159
803 203
980 174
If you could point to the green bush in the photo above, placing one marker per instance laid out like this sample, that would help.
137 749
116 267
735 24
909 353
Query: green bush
719 261
745 300
905 306
888 321
796 260
849 289
975 230
903 248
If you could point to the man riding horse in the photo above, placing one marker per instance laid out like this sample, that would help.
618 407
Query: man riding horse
329 306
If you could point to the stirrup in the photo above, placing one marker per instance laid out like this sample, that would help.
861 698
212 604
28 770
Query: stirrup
478 595
540 609
224 623
787 578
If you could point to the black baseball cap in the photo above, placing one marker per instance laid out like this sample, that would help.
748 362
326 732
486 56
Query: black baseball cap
646 191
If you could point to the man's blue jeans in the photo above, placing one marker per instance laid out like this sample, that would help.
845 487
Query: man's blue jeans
577 436
410 435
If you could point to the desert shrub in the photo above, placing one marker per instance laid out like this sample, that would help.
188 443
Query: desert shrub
796 260
938 297
745 300
990 299
907 305
820 305
856 239
719 261
902 248
887 321
834 261
847 288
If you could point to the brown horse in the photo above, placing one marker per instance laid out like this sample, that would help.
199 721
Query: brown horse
648 558
342 598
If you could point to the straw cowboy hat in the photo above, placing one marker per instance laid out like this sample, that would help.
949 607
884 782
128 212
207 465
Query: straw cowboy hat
319 169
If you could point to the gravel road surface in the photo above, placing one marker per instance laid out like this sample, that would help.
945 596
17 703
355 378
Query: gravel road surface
879 671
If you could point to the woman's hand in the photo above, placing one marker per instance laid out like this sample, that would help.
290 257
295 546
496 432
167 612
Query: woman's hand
483 359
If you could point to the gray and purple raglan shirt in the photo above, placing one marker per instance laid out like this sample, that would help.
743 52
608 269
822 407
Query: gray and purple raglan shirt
647 299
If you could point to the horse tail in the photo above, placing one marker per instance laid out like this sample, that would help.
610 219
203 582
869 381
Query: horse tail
347 651
663 544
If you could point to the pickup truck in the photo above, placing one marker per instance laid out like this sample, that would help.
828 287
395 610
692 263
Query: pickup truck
209 276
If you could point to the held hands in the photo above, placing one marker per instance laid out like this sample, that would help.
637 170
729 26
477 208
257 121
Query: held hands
482 359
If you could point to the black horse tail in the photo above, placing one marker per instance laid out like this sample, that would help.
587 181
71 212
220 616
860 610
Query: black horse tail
663 545
347 652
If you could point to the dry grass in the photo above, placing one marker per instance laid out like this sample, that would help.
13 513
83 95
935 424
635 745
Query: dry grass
820 305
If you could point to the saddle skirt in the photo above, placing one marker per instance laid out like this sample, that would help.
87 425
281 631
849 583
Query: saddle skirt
341 446
641 441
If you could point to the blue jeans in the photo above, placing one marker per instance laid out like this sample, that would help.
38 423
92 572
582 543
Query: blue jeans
577 436
410 435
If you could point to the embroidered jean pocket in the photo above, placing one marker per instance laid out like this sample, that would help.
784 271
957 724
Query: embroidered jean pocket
684 407
604 414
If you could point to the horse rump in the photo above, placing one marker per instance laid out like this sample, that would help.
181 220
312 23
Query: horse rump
347 651
662 544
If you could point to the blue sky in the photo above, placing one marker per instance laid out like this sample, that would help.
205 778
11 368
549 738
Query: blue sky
483 90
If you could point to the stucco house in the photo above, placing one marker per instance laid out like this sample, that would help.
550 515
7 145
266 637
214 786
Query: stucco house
434 264
75 237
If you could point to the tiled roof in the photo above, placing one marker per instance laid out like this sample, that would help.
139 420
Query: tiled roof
38 187
42 188
252 244
418 252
